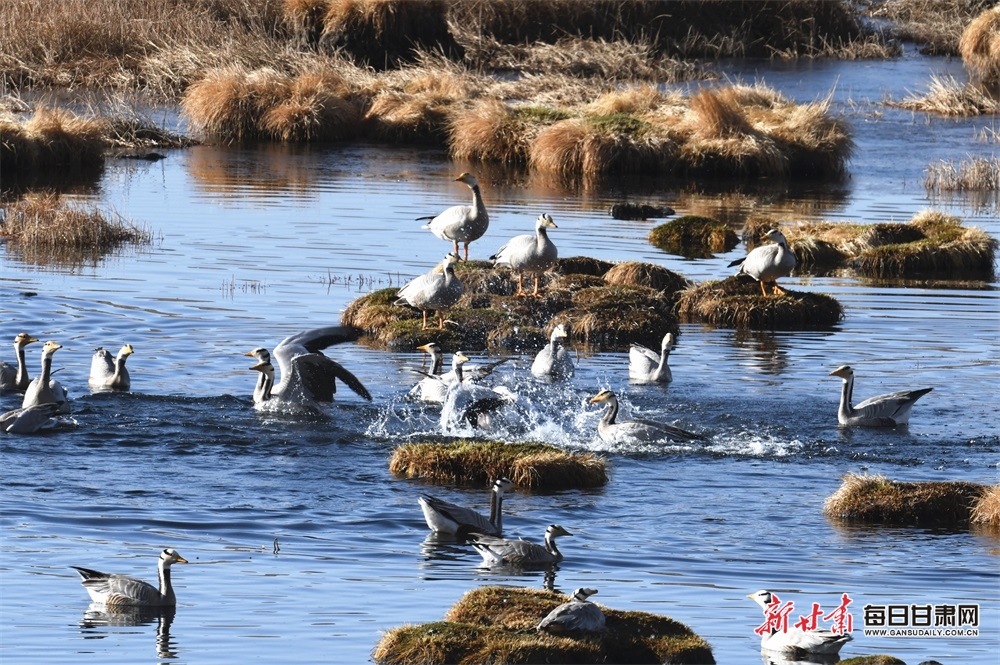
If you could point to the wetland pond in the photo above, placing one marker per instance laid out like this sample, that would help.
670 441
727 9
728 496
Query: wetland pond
256 243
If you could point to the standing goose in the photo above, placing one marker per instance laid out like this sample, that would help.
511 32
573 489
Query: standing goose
648 366
15 379
444 517
553 360
638 430
529 253
110 374
578 615
794 640
886 410
308 377
43 389
461 223
768 262
30 420
436 290
519 553
120 590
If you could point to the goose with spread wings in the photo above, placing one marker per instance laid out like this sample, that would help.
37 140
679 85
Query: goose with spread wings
308 378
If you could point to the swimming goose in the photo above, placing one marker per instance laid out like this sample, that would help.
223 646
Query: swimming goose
16 378
307 376
110 374
579 614
794 640
529 253
468 402
768 262
886 410
121 590
635 430
553 360
30 420
504 552
434 386
648 366
43 389
461 223
444 517
435 290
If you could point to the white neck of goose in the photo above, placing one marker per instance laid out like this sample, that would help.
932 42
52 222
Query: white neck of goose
554 342
22 370
46 368
847 395
611 413
550 545
541 233
120 364
456 367
166 588
265 384
496 508
477 199
437 361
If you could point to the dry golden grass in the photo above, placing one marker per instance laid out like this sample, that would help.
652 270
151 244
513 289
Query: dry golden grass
617 315
973 174
530 465
496 625
980 46
693 236
736 302
491 130
986 510
418 108
42 230
649 275
948 97
52 138
876 499
936 25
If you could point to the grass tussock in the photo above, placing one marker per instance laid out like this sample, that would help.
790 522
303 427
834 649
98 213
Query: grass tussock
496 624
986 511
617 315
693 236
980 46
932 244
877 659
948 97
648 275
974 174
582 265
877 499
52 138
736 302
531 465
43 230
936 25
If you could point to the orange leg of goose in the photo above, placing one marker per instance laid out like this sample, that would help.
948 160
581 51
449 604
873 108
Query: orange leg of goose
520 285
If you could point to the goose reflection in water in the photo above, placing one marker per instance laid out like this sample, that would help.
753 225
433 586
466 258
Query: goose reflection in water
99 616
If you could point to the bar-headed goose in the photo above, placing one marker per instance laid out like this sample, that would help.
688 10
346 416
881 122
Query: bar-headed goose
648 366
461 224
435 291
15 378
43 389
107 373
767 263
520 553
553 361
121 590
445 517
794 640
886 410
529 253
577 615
635 431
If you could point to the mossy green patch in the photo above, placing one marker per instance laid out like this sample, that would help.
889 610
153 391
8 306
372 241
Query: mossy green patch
736 302
693 236
877 499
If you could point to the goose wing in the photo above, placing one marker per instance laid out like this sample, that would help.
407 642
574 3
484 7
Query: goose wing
796 640
516 250
464 519
887 405
8 376
311 341
641 360
28 420
114 589
501 551
102 366
316 375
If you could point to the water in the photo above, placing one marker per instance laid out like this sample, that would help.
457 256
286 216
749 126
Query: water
253 244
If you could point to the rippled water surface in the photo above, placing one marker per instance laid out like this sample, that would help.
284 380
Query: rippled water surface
256 244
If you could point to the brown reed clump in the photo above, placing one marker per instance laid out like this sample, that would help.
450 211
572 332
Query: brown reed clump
496 624
980 46
948 97
536 466
419 112
42 230
618 143
649 275
876 499
693 236
582 265
233 103
375 310
491 130
986 510
973 174
936 25
51 139
616 315
736 302
384 33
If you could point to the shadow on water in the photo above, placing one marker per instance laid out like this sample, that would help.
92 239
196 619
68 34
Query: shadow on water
100 621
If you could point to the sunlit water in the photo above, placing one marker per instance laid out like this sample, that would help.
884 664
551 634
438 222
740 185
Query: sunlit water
255 244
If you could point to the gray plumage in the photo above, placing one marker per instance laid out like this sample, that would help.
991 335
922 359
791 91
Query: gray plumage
107 373
632 431
520 553
14 378
446 517
308 378
886 410
577 615
43 389
795 640
529 253
768 263
553 361
461 224
648 366
121 590
29 420
435 291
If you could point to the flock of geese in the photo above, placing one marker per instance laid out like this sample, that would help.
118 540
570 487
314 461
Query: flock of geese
308 381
